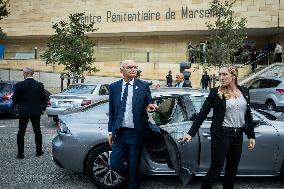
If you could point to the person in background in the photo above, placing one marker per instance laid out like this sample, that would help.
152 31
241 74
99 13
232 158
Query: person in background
169 79
253 59
205 79
180 81
278 53
30 97
231 117
214 80
129 101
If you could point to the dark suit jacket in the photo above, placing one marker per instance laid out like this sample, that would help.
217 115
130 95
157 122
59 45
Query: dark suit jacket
219 109
141 99
29 95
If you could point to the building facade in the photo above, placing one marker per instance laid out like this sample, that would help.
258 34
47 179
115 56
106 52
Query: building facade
154 33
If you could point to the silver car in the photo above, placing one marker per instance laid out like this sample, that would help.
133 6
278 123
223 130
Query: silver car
76 96
268 93
82 146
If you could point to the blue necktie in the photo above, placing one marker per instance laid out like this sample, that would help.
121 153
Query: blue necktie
122 106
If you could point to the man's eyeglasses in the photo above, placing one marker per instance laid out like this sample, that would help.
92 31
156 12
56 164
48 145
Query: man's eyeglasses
131 67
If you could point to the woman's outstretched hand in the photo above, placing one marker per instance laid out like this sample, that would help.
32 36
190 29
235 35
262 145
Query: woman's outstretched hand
251 144
186 138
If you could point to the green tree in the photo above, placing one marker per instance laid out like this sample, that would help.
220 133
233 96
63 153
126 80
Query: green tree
4 12
70 46
227 34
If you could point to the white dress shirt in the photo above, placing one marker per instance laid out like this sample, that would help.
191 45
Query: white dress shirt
180 84
128 115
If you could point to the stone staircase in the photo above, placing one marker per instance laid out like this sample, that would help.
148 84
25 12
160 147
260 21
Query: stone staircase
276 69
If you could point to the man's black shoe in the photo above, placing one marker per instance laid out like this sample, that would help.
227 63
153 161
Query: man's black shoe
39 154
20 156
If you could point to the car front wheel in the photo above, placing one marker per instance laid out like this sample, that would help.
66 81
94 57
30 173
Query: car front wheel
99 171
270 106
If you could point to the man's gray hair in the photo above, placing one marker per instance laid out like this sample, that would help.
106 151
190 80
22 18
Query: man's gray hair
28 71
125 62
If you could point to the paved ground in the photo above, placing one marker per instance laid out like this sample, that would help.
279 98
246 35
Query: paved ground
42 173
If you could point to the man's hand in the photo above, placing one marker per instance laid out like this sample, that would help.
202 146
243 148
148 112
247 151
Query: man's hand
251 144
110 139
152 107
186 138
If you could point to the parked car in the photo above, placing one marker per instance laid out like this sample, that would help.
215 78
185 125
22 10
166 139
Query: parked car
268 93
82 145
7 89
76 96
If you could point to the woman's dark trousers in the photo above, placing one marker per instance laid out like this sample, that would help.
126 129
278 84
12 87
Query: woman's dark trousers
227 146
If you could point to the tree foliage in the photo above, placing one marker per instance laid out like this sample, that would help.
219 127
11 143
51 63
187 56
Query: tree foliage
70 46
227 34
4 12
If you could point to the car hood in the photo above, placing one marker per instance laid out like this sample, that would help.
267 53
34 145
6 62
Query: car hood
95 115
69 96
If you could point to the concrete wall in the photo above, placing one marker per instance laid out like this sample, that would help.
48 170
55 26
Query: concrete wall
35 17
155 72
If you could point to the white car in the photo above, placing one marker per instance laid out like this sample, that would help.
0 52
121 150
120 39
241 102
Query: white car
76 96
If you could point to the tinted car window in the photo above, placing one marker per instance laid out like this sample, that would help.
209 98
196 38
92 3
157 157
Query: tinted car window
169 111
190 107
5 87
198 102
80 89
274 83
104 90
269 83
255 85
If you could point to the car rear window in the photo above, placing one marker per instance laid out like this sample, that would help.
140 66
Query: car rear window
80 89
5 87
269 83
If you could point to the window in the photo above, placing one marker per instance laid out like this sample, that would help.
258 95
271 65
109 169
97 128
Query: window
198 102
80 89
104 90
190 108
273 83
169 111
269 83
5 87
255 85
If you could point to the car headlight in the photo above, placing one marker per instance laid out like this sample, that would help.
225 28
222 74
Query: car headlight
63 128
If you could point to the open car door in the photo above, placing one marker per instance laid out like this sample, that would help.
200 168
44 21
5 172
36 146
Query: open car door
173 123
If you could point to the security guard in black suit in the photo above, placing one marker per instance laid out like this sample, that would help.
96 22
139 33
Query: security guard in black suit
30 97
231 117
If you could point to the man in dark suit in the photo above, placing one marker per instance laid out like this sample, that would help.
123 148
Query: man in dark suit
129 100
180 81
30 97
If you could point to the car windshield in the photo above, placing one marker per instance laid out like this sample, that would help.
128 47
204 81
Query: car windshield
5 87
80 89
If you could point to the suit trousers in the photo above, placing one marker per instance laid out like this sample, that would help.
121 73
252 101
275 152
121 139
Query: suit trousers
227 146
23 123
126 156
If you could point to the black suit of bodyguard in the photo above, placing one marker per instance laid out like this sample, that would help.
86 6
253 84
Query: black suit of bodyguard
31 99
225 143
231 117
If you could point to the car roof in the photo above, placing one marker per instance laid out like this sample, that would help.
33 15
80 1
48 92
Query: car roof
85 84
174 91
280 78
9 82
